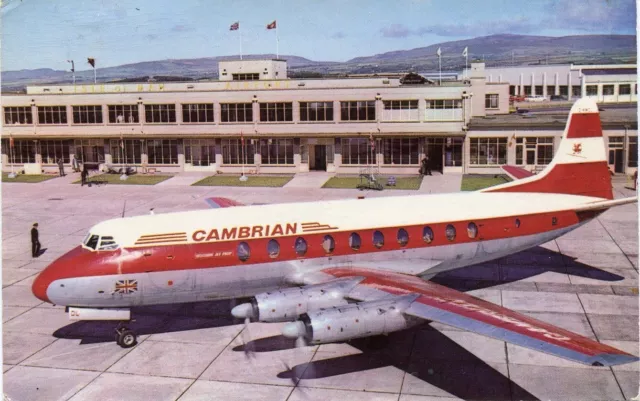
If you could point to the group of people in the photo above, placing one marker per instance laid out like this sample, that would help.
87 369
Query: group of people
84 173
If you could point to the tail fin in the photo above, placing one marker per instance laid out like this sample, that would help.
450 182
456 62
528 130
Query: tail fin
579 167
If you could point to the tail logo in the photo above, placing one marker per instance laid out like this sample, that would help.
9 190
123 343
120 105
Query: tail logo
577 148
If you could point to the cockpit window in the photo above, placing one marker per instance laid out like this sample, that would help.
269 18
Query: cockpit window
106 243
91 241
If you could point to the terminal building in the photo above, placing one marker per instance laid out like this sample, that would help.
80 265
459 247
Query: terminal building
255 117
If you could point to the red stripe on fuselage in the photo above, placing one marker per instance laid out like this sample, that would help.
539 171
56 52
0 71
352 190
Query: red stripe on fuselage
224 253
587 179
585 125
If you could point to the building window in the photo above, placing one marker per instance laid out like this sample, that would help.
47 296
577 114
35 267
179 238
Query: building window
232 151
358 111
357 151
273 249
592 90
427 234
400 150
403 237
450 232
160 113
51 150
87 114
624 89
275 112
127 151
197 113
472 230
200 152
453 151
52 115
491 101
328 244
443 110
236 112
301 246
564 90
607 90
162 151
18 115
400 110
243 251
532 150
576 90
316 111
23 151
246 77
124 113
89 150
633 151
538 89
527 90
551 90
276 151
488 151
355 241
378 239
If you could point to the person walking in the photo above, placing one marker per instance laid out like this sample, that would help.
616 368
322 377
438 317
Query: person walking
61 167
35 241
83 175
427 165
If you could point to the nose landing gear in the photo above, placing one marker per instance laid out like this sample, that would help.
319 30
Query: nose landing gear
124 337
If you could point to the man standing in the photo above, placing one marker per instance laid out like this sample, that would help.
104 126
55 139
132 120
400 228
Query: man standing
83 174
61 167
35 242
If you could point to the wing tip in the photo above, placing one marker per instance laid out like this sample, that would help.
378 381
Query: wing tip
612 359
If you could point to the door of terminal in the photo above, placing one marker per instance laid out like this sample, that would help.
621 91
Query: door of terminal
320 158
616 160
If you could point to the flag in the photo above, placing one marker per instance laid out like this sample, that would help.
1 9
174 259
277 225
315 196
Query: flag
235 26
241 138
10 141
371 141
92 61
438 52
121 143
272 25
465 52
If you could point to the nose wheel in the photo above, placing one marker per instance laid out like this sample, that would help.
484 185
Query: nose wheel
125 338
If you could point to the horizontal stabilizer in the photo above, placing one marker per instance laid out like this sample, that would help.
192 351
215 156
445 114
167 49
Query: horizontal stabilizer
516 173
218 202
606 204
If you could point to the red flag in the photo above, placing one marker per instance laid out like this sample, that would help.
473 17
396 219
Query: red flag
235 26
92 61
10 141
272 25
241 138
121 143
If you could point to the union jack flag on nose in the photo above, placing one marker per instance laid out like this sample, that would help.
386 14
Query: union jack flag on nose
126 286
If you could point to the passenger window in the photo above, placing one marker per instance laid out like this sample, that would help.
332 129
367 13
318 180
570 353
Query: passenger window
273 249
378 239
517 223
403 237
301 246
92 242
472 230
328 244
450 232
354 241
427 234
554 221
243 251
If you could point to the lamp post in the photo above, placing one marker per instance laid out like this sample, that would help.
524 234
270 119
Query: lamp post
73 71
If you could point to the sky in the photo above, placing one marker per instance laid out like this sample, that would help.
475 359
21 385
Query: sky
47 33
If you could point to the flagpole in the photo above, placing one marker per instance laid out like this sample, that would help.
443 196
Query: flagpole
240 40
277 44
94 75
440 67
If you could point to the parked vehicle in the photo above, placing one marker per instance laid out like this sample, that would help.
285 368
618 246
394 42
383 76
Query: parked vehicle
535 98
558 97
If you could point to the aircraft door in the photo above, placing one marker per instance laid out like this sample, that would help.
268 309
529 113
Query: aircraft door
165 278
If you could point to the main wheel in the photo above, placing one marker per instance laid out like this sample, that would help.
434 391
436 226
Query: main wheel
126 338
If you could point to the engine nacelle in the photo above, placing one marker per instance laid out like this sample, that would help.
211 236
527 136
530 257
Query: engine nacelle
343 323
289 303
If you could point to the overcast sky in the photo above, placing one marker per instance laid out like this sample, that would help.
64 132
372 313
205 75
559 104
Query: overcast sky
46 33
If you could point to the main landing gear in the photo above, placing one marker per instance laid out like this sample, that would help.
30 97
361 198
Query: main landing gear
124 337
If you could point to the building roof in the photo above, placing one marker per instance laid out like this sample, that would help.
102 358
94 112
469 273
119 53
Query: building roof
612 117
610 71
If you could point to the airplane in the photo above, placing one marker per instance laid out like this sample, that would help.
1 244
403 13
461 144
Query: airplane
345 269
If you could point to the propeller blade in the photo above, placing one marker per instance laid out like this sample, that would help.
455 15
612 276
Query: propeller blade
246 339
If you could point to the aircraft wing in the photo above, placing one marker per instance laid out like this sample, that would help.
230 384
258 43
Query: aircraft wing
218 202
444 305
516 173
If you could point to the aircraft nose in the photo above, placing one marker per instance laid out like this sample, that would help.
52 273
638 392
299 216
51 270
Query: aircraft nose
40 286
